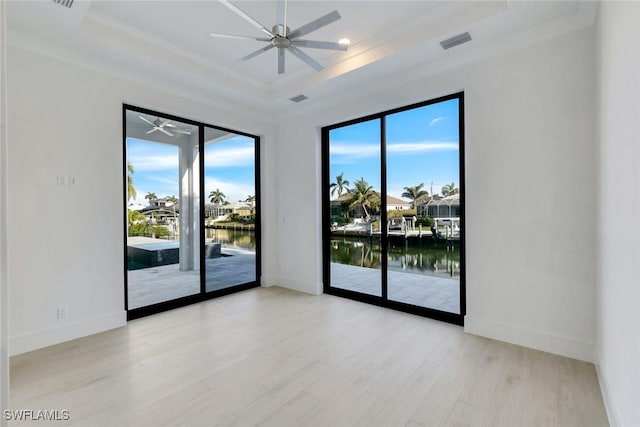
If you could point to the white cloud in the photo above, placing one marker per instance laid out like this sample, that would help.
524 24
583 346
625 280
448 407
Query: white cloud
145 163
349 148
436 121
342 153
229 157
425 146
145 159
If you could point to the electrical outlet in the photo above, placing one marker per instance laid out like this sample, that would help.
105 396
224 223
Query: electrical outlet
62 313
61 181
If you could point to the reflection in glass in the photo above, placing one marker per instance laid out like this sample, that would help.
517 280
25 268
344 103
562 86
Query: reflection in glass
230 209
163 246
354 171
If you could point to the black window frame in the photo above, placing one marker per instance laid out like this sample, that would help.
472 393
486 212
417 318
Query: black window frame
203 295
383 301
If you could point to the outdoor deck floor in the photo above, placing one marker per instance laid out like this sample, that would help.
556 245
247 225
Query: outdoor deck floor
164 283
440 293
157 284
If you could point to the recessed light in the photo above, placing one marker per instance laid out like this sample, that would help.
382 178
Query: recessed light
345 42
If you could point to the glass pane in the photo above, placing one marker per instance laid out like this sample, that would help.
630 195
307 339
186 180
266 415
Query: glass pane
423 207
230 209
354 171
163 245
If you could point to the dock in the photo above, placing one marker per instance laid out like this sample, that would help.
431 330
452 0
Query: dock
407 233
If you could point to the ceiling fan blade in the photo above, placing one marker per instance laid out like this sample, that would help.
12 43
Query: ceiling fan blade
184 132
246 17
168 124
315 25
280 60
154 129
319 45
166 132
256 53
233 36
305 58
282 18
143 119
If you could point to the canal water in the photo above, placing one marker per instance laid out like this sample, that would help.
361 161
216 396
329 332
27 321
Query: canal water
416 256
236 239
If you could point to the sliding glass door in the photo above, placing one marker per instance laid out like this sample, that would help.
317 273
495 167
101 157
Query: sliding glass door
162 247
354 168
186 239
230 209
423 169
393 209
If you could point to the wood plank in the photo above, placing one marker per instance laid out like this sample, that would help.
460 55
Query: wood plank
274 357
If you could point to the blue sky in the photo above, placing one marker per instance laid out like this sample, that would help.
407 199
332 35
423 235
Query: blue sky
228 166
422 147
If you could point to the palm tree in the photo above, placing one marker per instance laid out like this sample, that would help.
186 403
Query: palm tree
217 197
450 190
362 194
131 189
151 196
414 193
252 201
341 185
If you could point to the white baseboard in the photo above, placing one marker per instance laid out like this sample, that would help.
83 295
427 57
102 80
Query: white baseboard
609 403
538 340
299 285
66 332
268 281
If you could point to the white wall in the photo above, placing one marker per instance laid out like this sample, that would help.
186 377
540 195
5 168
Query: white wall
618 227
530 150
67 242
4 324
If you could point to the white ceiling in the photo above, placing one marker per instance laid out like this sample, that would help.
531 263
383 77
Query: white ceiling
166 43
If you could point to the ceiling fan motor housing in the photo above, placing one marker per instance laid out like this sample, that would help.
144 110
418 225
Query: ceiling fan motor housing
280 40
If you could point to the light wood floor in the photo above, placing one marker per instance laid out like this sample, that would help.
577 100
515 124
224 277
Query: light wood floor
273 357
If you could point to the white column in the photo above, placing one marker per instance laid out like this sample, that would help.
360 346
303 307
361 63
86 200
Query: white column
195 206
189 222
186 201
4 285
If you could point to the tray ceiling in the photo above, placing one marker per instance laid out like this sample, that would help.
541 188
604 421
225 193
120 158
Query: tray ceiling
166 43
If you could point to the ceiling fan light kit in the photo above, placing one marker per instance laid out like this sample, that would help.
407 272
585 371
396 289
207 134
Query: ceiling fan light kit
283 39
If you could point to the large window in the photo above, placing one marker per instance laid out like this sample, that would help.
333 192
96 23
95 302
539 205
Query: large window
394 209
192 211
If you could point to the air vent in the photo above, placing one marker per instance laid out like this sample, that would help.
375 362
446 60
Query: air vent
65 3
455 40
298 98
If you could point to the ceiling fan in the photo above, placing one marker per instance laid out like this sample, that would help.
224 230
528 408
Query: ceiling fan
159 125
282 38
